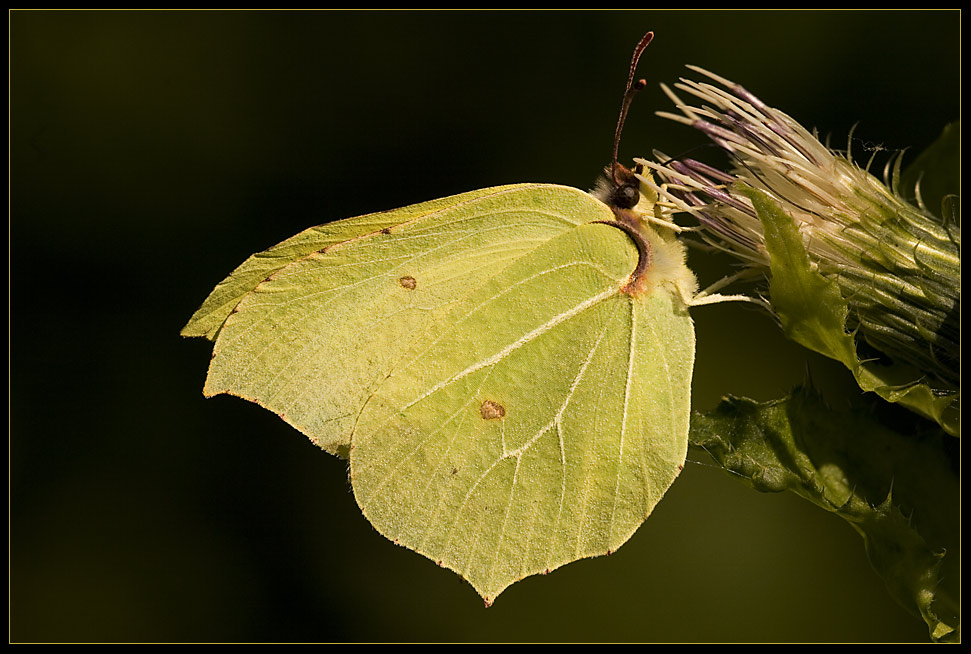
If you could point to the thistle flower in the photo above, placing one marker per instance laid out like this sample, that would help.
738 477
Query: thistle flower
896 265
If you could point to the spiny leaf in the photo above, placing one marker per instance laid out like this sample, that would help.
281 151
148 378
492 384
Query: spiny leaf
898 490
937 171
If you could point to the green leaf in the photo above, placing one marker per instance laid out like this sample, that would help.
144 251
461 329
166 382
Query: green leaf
814 313
508 401
937 170
898 490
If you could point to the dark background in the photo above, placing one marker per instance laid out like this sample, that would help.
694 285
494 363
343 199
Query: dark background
151 152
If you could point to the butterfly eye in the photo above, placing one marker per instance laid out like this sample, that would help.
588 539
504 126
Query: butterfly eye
625 197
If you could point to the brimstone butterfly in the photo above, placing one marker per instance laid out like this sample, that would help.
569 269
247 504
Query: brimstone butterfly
508 370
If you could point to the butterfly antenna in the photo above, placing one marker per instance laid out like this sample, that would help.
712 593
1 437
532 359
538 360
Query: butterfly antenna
617 170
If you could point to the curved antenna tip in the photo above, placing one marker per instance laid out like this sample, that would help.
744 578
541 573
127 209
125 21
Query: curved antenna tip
629 91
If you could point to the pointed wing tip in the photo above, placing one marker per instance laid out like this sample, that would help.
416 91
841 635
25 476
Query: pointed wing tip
193 330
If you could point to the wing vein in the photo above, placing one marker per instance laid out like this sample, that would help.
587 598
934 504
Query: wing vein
623 424
523 340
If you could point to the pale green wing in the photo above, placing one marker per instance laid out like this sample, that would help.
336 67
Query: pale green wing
507 407
209 318
541 424
310 327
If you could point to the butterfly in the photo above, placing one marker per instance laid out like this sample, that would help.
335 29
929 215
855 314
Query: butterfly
508 371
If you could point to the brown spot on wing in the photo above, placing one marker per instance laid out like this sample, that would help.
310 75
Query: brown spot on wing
492 410
408 282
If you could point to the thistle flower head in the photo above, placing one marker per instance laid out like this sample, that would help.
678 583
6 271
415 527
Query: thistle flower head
897 265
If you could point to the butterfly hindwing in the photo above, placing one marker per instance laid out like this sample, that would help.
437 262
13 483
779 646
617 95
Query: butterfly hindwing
542 423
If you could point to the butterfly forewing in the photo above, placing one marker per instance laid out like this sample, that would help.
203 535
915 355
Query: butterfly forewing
311 338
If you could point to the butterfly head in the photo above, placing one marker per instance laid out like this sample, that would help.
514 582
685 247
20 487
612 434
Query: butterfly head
619 187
